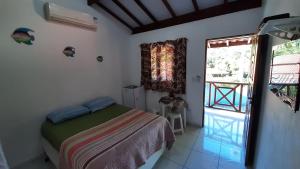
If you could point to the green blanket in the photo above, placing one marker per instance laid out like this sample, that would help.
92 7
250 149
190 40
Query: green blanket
57 133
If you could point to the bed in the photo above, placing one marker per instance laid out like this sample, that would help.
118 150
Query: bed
115 137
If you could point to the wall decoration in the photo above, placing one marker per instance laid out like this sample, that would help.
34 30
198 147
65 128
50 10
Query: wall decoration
285 73
21 35
69 51
100 58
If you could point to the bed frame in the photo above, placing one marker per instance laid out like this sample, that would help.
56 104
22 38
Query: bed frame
53 155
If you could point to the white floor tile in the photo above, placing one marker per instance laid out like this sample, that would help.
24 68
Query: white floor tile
187 139
232 153
198 160
192 129
206 144
178 154
225 164
164 163
38 163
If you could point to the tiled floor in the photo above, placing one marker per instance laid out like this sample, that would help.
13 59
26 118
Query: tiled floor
219 145
38 163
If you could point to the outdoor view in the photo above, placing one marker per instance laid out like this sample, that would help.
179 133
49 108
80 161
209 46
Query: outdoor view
227 72
285 68
228 64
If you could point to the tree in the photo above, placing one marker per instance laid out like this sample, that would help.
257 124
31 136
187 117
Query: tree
292 47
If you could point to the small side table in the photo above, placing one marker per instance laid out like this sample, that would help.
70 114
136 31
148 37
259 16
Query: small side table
164 107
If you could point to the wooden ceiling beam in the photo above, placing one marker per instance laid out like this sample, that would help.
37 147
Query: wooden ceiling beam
114 15
223 9
120 5
145 9
170 9
195 4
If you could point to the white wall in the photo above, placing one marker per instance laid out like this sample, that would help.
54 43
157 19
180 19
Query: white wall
275 7
197 32
278 143
39 78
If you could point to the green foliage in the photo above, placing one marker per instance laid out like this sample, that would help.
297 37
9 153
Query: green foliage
211 62
292 47
230 64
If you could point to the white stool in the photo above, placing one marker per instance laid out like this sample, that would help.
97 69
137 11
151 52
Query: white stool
165 108
173 116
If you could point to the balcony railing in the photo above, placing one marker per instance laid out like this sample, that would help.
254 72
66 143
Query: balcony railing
226 96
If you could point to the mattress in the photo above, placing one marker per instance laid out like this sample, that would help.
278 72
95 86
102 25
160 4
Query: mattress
55 134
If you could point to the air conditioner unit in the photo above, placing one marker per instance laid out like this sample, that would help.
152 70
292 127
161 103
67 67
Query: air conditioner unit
285 28
58 13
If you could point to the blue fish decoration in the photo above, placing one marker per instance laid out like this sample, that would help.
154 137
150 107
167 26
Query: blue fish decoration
69 51
21 35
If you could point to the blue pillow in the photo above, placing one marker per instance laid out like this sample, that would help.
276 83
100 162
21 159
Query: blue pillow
99 103
67 113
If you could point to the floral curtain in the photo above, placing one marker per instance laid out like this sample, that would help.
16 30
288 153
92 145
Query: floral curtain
164 66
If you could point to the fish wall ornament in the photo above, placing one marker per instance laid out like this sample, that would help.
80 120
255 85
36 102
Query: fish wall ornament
100 58
69 51
21 35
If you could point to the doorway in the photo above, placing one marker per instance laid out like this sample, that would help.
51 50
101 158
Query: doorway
227 73
232 80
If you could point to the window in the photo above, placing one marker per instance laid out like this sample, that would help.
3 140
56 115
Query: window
163 66
162 62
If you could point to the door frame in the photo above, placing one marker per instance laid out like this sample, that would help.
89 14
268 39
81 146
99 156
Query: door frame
258 85
260 66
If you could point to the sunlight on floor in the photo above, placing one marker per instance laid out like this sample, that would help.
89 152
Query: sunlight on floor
219 145
229 127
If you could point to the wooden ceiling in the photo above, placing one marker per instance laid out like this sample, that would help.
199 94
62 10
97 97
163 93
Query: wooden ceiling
146 15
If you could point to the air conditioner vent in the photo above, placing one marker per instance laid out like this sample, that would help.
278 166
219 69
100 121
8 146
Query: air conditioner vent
58 13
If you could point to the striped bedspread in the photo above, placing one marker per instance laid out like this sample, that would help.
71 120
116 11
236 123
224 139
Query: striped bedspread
124 142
